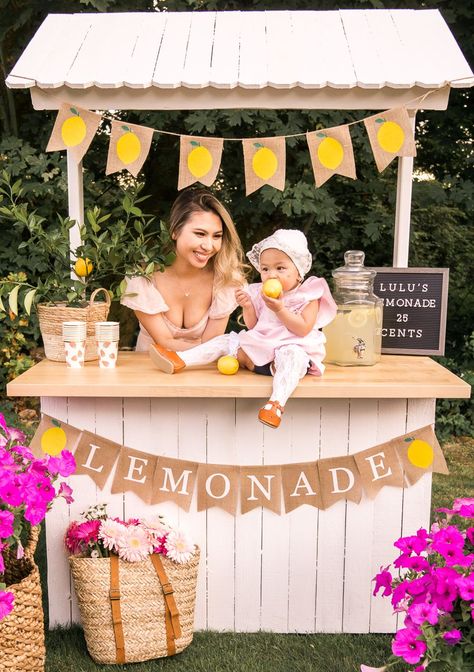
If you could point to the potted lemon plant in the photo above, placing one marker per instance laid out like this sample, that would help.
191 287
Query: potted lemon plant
78 286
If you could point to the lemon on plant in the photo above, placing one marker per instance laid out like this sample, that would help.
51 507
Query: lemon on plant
83 267
128 146
357 317
228 365
199 160
420 453
272 288
264 162
330 152
73 129
53 440
390 135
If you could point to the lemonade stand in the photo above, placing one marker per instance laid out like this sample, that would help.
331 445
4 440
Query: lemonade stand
308 569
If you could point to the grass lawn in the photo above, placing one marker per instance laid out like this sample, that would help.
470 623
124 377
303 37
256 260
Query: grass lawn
268 652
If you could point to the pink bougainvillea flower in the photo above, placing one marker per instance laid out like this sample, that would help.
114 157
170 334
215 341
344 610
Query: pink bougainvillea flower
423 612
6 603
464 506
452 637
444 590
407 645
415 562
2 562
453 555
414 544
179 547
34 513
135 544
66 491
10 493
110 533
64 465
6 524
470 535
383 580
448 535
465 586
399 593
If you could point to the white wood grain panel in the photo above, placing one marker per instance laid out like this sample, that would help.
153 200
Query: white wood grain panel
365 57
192 436
164 423
169 66
225 53
138 435
305 418
275 537
221 448
281 50
387 515
59 580
396 66
331 529
197 65
248 527
138 73
109 424
359 524
253 73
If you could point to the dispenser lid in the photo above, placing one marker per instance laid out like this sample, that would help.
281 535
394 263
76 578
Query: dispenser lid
354 267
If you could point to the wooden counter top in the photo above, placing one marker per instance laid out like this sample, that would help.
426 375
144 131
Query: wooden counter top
396 376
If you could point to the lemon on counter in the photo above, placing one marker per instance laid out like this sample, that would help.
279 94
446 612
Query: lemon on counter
228 365
272 288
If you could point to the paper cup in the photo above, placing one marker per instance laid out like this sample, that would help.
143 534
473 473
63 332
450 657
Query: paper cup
107 331
75 351
74 331
108 353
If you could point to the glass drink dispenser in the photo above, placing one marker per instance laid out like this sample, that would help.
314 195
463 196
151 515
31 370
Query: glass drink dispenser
354 337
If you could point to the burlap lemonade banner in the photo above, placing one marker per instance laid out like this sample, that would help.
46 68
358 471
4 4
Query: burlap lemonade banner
331 153
399 462
264 163
128 147
199 160
390 134
74 129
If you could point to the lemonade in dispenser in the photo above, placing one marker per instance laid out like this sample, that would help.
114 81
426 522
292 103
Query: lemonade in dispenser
354 337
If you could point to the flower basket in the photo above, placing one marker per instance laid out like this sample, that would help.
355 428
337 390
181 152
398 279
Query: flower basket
135 611
52 317
22 631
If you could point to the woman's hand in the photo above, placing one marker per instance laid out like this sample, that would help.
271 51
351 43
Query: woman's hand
243 298
274 304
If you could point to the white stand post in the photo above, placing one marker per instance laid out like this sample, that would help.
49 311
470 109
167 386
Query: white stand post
403 207
75 202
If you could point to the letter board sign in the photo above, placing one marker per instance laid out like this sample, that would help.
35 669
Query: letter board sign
414 313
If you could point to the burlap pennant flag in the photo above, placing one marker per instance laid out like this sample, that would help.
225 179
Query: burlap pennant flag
300 483
379 466
390 135
340 479
134 473
217 485
95 457
419 453
52 436
264 163
74 130
260 486
128 147
199 160
174 481
331 153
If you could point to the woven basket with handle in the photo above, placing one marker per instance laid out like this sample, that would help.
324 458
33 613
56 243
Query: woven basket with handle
22 631
51 320
135 611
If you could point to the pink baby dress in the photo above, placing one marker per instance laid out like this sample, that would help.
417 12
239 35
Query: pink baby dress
148 299
270 333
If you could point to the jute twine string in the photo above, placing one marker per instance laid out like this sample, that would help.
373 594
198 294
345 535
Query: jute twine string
22 631
142 606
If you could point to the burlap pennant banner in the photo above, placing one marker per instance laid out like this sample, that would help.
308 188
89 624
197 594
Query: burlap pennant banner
134 473
199 160
264 163
390 134
301 485
74 130
96 456
331 153
420 452
260 486
339 479
128 147
174 481
52 436
378 467
217 485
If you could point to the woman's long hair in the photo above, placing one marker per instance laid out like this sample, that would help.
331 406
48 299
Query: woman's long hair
228 264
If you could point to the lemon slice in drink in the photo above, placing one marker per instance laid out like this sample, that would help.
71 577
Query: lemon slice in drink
357 317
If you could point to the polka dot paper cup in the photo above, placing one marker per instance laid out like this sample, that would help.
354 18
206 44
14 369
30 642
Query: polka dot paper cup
108 353
75 351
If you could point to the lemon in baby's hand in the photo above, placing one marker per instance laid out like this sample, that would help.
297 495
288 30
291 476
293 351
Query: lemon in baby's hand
272 288
83 267
228 365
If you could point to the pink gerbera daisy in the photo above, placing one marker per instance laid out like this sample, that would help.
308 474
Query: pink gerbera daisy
179 547
110 533
135 544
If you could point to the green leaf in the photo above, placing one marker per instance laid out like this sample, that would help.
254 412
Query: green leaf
127 129
13 299
380 120
322 135
258 144
150 268
2 307
194 143
74 111
55 422
28 300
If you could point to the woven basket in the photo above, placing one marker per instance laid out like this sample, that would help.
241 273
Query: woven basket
142 606
22 631
51 320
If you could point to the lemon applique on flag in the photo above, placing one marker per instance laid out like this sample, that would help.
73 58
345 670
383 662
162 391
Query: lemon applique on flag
420 453
199 160
73 129
128 146
330 152
390 135
54 439
264 162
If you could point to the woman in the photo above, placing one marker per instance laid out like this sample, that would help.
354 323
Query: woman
190 301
